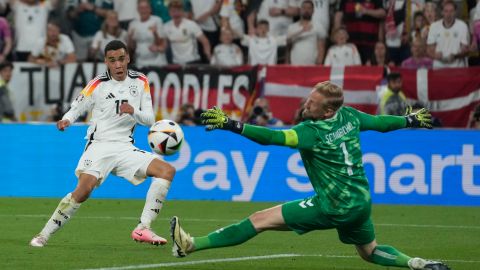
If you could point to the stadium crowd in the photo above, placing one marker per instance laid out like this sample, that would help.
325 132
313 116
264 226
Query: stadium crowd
407 33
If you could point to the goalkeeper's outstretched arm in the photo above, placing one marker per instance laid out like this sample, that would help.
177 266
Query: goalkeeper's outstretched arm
385 123
217 119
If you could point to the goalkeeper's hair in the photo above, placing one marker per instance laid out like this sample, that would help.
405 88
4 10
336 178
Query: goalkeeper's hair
333 94
115 45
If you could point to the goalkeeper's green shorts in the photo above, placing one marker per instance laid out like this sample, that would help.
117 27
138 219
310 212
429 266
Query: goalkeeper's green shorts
305 215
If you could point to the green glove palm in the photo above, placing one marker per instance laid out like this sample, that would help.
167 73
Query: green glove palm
215 118
420 119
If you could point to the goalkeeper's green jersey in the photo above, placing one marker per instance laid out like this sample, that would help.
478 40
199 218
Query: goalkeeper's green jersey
330 150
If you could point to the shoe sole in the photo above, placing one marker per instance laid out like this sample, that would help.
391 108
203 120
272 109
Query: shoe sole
176 250
152 243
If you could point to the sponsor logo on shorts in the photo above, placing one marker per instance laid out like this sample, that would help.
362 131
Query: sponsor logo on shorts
87 163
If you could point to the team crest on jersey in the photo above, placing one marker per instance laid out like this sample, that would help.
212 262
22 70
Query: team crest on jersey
79 98
133 90
87 163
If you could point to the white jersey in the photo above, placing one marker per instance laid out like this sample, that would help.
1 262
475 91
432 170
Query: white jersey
261 50
448 41
30 24
144 38
183 40
227 55
103 96
200 7
343 55
305 46
55 53
236 23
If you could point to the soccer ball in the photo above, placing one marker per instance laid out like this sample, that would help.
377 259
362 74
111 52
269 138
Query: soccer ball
165 137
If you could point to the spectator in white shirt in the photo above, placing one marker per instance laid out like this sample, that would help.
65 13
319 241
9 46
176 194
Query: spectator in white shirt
227 53
306 38
448 39
56 50
342 53
146 37
230 15
126 10
110 31
262 47
279 15
182 34
205 12
30 21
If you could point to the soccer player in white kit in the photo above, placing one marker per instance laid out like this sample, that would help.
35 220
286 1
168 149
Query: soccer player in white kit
118 100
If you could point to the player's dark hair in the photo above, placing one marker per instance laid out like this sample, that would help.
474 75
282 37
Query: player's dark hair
6 64
393 76
115 45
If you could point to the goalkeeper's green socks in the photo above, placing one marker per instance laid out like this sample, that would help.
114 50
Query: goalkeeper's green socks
63 213
389 256
228 236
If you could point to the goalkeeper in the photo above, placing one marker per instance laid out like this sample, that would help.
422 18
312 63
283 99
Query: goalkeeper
329 144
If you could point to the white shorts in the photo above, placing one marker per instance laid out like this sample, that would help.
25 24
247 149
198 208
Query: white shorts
119 158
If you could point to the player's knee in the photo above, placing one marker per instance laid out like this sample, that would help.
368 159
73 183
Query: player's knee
81 195
258 221
165 171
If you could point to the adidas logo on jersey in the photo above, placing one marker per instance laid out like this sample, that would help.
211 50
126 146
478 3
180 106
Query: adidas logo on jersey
110 96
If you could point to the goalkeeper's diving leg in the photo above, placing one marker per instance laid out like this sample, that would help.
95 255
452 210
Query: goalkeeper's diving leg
234 234
389 256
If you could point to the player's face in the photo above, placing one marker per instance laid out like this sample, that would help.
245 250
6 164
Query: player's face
6 74
315 108
117 62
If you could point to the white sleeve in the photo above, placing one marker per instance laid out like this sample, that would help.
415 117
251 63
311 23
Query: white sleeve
464 35
160 28
69 48
196 30
328 58
356 55
96 40
431 35
238 55
84 102
144 115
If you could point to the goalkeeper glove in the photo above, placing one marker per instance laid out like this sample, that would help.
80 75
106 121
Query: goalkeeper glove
419 119
215 118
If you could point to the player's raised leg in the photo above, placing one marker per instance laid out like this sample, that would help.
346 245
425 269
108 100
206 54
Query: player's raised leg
389 256
66 209
162 175
234 234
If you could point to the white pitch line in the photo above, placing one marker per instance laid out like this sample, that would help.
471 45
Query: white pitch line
237 259
235 220
172 264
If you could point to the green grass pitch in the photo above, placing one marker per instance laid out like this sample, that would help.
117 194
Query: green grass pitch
98 237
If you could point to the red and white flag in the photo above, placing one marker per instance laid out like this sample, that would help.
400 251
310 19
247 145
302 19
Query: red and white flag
286 86
450 94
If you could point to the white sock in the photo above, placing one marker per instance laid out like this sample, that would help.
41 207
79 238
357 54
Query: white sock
153 204
65 210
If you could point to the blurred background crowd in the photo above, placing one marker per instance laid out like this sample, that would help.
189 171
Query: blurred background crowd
405 33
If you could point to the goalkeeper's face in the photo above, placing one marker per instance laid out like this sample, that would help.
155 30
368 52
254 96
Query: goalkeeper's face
117 62
315 107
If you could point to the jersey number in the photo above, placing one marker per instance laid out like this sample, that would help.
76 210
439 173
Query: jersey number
118 103
347 158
